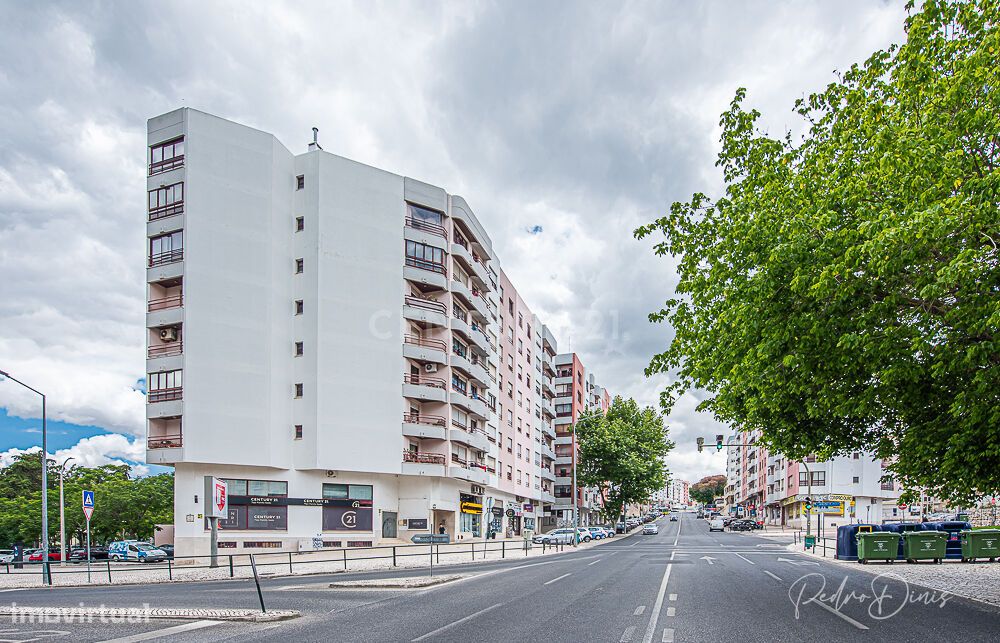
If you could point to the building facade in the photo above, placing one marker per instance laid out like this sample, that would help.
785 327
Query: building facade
340 344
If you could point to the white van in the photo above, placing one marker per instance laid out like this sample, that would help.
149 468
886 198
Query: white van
716 524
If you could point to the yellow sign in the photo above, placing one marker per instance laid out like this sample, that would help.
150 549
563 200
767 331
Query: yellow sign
471 508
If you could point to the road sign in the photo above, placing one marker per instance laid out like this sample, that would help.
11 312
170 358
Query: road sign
88 504
216 498
902 505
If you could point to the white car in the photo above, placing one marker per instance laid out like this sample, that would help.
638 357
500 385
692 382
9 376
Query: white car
716 524
650 529
6 556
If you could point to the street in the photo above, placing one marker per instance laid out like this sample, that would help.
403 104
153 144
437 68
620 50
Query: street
683 584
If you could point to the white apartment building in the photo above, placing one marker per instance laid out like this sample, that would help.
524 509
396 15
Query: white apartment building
325 336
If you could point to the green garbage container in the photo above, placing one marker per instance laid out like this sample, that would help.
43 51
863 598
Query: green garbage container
980 543
924 545
877 545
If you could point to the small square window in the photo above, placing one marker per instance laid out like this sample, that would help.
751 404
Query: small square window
298 431
299 266
299 306
299 349
857 479
300 181
298 390
300 224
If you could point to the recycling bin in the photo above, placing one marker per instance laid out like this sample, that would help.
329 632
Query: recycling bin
980 543
900 528
954 528
847 543
877 545
924 545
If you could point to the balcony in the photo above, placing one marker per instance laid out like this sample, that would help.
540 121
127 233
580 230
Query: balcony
424 388
426 226
425 311
165 303
163 258
547 452
548 475
165 441
475 438
417 425
548 497
470 471
547 408
423 464
425 349
165 395
168 349
426 275
475 405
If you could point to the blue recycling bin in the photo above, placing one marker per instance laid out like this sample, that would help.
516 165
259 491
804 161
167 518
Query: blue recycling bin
847 543
954 529
901 528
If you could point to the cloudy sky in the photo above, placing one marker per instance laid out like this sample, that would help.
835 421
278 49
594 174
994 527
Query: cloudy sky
585 119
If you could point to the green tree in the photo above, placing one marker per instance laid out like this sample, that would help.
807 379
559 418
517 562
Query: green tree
621 454
844 293
706 490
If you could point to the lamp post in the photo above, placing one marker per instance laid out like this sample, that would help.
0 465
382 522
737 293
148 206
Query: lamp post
45 481
62 514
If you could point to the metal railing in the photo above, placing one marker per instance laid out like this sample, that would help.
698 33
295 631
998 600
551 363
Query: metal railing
165 441
170 256
430 420
417 340
423 458
420 224
423 380
426 265
166 350
164 211
166 165
164 303
165 394
426 303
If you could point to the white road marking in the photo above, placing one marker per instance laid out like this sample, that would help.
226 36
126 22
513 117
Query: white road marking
458 622
639 610
654 617
772 575
588 564
167 631
671 611
668 635
673 597
549 582
627 635
707 559
746 559
677 537
860 626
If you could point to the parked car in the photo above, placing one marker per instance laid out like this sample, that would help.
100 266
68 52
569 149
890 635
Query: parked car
168 550
673 517
716 524
36 556
650 530
6 556
621 528
597 533
79 554
563 536
134 550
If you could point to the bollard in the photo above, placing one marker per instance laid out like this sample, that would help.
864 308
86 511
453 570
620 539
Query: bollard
473 543
503 549
256 580
345 559
230 565
109 570
170 570
393 555
290 563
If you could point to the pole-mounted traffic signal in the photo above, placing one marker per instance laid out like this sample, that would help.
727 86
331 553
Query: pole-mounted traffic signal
718 443
809 504
701 444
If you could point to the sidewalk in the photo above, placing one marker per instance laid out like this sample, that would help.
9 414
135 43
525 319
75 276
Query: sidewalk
281 564
975 581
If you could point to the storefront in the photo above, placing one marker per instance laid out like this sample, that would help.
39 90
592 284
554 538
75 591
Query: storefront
470 511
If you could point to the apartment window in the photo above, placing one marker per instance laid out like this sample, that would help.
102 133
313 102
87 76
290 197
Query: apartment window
857 479
520 347
510 445
166 201
164 386
299 349
518 476
424 219
421 255
298 390
300 265
300 182
299 306
298 431
857 456
519 452
818 478
300 224
166 156
510 472
262 518
166 248
510 418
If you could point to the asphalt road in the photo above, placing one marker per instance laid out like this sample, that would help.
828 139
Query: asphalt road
683 584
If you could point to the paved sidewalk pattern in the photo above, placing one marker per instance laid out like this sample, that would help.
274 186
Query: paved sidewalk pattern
137 614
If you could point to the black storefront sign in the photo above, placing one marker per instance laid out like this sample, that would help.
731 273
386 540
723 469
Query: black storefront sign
498 512
277 501
267 518
417 523
347 518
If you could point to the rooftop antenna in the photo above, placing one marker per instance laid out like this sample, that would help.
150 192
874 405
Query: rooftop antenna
315 142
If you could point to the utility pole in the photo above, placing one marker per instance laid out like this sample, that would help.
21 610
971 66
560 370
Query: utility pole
576 503
62 515
809 486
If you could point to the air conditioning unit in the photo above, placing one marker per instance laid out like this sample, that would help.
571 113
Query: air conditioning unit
168 334
431 368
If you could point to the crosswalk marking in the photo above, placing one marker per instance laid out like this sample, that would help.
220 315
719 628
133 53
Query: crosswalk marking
668 635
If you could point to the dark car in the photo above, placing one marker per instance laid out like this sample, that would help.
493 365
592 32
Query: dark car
79 554
168 550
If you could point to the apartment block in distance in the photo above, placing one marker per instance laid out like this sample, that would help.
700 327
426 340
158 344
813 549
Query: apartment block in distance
339 343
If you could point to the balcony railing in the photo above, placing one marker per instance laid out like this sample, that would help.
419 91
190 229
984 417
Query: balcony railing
425 342
426 303
887 486
423 380
426 265
459 425
164 211
166 165
170 256
163 303
423 458
430 420
165 394
433 228
165 441
459 461
166 350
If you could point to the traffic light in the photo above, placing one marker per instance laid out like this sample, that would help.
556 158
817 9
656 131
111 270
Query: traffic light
809 504
701 444
718 443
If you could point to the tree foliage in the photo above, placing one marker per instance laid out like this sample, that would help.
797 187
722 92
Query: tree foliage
706 490
125 507
621 453
844 293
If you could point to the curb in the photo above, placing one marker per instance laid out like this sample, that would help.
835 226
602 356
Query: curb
136 614
402 582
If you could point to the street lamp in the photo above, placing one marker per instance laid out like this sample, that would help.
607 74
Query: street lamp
45 482
62 514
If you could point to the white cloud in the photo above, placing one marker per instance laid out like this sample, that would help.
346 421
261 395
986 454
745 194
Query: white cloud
586 119
94 451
